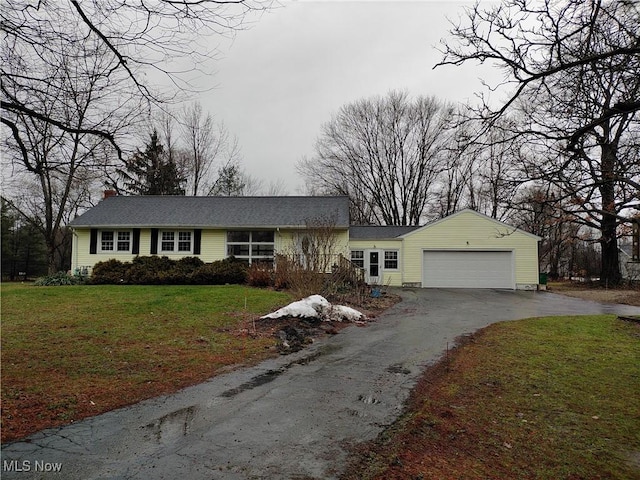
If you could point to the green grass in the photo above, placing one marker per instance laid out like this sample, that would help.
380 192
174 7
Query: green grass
545 398
73 351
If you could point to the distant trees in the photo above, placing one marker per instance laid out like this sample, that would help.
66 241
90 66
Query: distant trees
385 153
574 69
23 247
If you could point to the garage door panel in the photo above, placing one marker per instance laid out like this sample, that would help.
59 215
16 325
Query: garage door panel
468 269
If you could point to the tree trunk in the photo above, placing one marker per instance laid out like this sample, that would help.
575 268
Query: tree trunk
610 262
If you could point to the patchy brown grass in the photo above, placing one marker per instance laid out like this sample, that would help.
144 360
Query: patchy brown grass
591 291
550 398
73 352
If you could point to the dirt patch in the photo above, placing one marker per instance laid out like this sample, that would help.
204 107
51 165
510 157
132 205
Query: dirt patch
293 334
625 296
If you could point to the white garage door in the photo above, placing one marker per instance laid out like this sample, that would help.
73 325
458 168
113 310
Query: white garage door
468 269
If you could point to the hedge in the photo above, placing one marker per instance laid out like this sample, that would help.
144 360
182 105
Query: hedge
154 270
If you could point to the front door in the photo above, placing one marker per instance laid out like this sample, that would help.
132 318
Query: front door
373 267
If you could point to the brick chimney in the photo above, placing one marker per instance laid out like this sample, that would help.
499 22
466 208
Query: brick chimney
109 194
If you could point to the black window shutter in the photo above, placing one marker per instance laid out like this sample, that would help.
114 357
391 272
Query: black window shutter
93 244
197 241
135 247
154 241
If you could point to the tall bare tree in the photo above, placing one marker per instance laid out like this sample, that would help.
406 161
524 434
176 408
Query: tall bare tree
71 73
145 41
202 145
48 170
384 153
574 69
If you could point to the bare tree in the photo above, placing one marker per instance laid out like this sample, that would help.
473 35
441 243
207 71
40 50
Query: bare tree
143 41
535 44
202 145
384 153
52 169
575 70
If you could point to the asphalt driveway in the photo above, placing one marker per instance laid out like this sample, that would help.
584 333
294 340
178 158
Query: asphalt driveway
293 417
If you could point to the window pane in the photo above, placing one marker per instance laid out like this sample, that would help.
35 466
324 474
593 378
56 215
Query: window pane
237 236
107 240
167 246
262 237
357 258
123 241
262 250
184 241
237 250
391 259
167 236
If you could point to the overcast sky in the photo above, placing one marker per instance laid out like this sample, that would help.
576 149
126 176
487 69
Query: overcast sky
279 81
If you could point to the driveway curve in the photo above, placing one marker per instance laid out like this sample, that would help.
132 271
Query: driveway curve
292 417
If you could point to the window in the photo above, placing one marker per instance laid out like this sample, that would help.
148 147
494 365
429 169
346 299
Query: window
124 241
115 240
184 241
357 258
251 246
106 241
391 259
176 241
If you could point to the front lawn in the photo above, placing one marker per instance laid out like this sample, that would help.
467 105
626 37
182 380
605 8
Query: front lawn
543 398
76 351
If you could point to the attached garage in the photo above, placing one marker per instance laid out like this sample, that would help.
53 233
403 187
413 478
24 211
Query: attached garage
468 269
464 250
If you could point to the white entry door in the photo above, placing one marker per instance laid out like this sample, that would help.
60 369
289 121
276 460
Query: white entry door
373 266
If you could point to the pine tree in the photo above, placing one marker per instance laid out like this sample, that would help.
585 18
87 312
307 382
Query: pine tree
153 172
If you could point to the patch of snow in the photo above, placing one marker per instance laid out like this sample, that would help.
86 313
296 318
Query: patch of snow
310 307
342 312
316 306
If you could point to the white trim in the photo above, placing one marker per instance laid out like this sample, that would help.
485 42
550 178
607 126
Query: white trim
115 240
512 251
176 242
250 257
481 215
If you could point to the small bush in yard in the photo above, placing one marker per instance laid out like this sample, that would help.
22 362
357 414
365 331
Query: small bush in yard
260 275
57 279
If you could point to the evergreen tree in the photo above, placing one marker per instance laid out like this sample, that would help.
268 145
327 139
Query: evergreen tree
153 172
230 182
23 247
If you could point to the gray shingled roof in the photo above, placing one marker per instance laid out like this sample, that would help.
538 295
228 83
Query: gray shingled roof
179 211
379 232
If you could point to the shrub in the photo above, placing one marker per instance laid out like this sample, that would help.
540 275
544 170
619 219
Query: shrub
109 272
188 264
57 279
260 275
153 270
221 272
150 270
